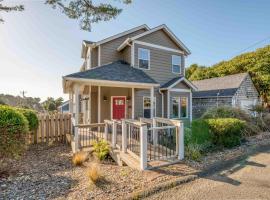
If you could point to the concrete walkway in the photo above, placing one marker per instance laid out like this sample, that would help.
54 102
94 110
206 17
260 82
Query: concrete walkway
248 179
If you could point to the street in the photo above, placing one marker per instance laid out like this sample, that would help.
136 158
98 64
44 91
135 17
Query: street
249 179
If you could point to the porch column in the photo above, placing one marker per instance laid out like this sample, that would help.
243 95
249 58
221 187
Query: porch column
89 105
152 102
191 109
71 103
84 109
168 104
99 106
133 104
77 102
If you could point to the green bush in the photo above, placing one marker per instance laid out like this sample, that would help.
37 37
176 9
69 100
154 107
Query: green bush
31 117
193 151
13 127
226 132
227 112
101 149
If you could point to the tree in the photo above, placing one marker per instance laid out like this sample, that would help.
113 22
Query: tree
52 104
83 10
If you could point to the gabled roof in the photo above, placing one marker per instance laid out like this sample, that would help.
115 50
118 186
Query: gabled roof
221 83
215 93
171 83
116 71
161 27
94 44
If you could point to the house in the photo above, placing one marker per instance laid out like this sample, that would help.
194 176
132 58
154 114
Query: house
64 107
235 90
133 74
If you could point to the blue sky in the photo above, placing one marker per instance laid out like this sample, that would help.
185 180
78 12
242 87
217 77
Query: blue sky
40 45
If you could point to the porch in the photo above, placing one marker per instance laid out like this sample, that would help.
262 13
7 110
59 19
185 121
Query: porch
141 144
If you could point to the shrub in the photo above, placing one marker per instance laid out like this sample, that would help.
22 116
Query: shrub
94 172
13 127
31 117
78 158
226 131
193 151
227 112
101 149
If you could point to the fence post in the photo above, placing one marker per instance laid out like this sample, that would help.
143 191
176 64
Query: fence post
124 136
106 131
114 134
154 132
181 145
143 147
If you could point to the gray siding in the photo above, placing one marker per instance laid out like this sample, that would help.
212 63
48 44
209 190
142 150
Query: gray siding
109 51
160 38
94 57
126 54
246 91
160 64
181 85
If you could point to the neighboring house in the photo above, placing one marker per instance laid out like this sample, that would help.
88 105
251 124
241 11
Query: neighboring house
136 73
64 107
235 90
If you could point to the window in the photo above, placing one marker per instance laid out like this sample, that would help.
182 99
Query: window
176 64
183 107
175 103
179 107
144 58
147 107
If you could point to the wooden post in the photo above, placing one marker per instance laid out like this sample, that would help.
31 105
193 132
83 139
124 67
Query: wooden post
133 104
143 147
77 102
180 148
106 131
124 136
152 102
154 132
114 134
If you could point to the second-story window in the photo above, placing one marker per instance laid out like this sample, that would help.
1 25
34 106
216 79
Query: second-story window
144 58
176 64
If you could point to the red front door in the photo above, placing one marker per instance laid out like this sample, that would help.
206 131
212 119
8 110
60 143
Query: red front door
118 107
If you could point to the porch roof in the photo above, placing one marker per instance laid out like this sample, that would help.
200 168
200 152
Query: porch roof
118 72
171 83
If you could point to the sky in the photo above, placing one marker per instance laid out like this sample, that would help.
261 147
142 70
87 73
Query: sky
40 45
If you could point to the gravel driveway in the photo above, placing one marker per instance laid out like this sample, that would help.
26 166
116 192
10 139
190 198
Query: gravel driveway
249 179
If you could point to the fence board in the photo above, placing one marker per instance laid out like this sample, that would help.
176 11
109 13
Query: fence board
52 128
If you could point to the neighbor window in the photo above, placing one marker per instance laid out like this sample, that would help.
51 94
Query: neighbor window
147 107
175 108
183 107
144 58
176 64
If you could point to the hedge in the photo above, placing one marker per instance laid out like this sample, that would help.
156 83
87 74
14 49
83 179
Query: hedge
31 117
13 127
226 132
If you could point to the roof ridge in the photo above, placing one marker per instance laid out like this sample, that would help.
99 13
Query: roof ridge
243 73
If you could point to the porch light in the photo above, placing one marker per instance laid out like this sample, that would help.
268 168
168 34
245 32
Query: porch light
105 98
128 98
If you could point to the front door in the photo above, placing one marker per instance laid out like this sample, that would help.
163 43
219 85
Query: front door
118 107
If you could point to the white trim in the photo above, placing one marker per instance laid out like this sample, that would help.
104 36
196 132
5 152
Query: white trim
187 111
133 103
148 52
89 105
178 81
90 57
158 46
190 96
180 64
122 34
108 83
155 100
180 90
168 104
99 104
162 104
112 105
179 107
99 55
132 54
152 97
169 32
178 104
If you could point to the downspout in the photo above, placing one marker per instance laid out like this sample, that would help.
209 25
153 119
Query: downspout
162 102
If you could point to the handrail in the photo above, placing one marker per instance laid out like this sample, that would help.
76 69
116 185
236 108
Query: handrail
161 127
90 125
135 122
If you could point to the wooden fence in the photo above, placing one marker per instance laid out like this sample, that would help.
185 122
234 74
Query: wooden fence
52 128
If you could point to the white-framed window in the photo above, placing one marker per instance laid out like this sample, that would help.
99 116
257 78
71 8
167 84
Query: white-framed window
176 64
144 58
179 107
147 107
